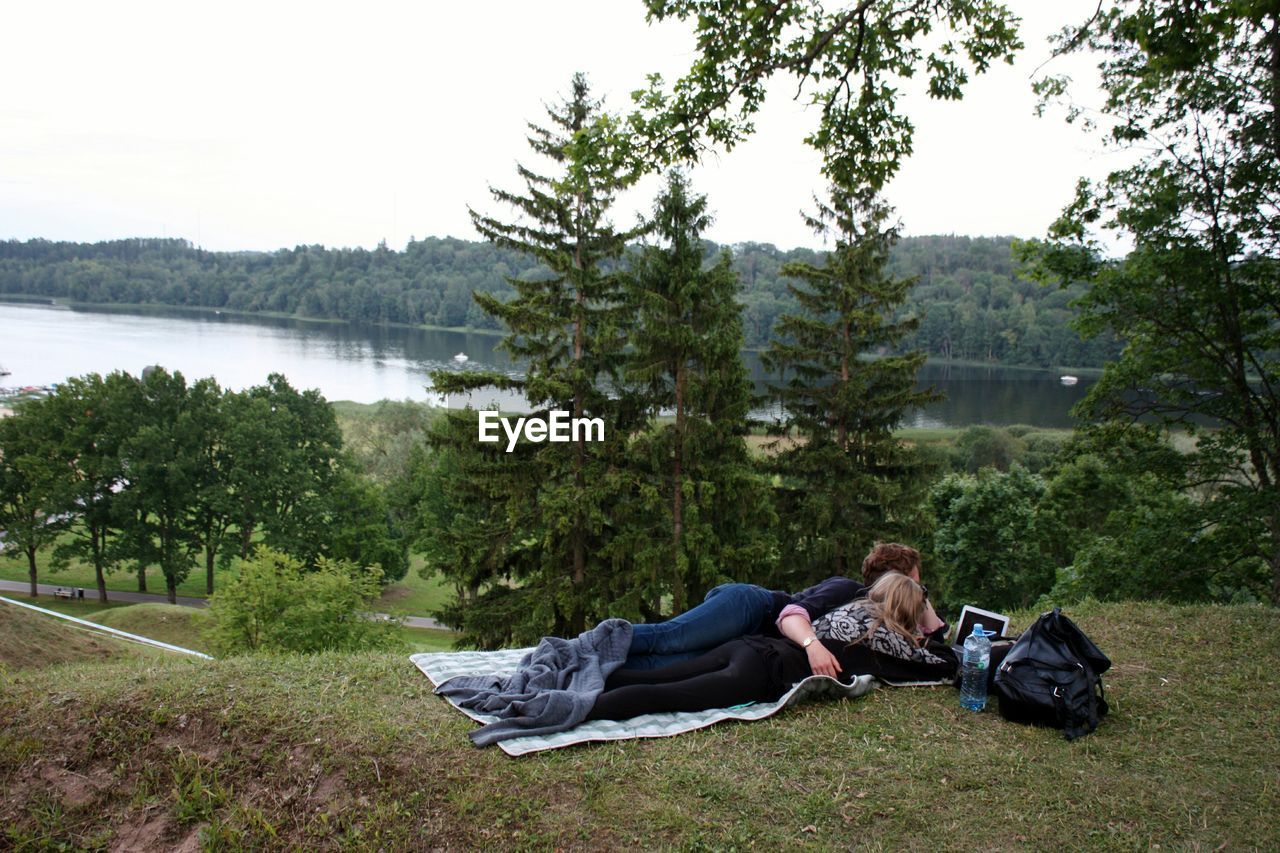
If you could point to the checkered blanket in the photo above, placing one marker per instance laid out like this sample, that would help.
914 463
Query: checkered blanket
441 666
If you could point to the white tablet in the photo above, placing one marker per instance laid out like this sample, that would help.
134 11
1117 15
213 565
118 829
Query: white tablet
971 616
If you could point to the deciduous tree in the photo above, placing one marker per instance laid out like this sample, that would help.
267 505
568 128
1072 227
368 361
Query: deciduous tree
1193 89
852 59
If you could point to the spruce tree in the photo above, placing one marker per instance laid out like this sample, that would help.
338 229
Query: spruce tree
703 508
845 481
566 326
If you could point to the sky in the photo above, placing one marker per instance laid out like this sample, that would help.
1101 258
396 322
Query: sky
257 126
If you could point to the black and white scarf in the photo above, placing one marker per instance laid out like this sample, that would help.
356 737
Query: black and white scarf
852 622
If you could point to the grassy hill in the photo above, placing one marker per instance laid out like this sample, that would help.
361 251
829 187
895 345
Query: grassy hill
343 751
168 623
32 641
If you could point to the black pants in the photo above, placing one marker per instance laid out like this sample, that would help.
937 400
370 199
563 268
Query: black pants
739 671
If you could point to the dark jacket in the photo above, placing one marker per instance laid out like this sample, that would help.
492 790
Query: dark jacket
816 600
823 597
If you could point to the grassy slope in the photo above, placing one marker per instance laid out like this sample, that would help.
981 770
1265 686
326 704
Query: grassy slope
338 751
32 641
168 623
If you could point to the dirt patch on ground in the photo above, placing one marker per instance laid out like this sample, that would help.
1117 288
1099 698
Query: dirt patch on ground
392 594
74 789
150 830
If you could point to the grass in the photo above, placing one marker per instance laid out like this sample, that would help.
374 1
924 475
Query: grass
14 568
415 595
33 641
185 627
83 609
168 623
411 596
427 639
354 751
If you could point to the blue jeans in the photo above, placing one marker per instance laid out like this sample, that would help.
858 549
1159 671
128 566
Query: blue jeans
730 610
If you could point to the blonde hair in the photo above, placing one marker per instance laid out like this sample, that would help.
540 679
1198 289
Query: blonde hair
896 602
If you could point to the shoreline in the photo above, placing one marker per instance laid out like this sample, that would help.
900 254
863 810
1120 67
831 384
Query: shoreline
125 307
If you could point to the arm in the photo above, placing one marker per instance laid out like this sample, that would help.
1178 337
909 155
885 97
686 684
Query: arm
930 623
794 624
826 596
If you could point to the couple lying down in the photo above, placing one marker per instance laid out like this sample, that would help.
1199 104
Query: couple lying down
748 644
742 644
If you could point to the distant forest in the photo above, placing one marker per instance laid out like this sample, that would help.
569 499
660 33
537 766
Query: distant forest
972 303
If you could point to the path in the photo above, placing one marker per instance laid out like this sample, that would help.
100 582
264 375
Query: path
91 595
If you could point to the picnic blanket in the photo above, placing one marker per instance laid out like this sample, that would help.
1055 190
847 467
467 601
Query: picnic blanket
440 667
552 689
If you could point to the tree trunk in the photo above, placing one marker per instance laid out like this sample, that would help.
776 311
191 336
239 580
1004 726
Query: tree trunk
677 499
142 576
31 570
1275 574
1274 38
171 588
210 552
842 429
577 614
1274 524
97 538
246 538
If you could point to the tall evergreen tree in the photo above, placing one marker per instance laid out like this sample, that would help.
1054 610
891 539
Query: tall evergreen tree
697 485
565 325
845 479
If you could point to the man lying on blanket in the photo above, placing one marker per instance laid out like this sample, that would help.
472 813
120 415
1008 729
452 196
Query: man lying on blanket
743 644
738 609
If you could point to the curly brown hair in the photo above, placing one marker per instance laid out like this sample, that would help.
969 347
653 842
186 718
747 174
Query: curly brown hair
888 557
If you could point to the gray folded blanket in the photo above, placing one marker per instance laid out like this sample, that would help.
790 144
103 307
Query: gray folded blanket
554 688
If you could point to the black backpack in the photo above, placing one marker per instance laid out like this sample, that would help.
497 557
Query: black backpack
1052 676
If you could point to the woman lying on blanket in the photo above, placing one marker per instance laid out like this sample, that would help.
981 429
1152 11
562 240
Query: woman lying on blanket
737 609
875 635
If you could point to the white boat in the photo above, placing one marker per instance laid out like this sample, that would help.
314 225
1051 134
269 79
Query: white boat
461 358
1068 380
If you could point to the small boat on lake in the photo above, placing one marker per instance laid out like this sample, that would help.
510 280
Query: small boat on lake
1068 380
461 358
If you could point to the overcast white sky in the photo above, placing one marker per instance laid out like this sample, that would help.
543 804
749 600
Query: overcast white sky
266 125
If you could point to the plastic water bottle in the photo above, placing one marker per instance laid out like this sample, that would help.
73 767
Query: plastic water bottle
973 673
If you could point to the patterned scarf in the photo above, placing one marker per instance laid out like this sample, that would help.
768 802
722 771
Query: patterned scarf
852 622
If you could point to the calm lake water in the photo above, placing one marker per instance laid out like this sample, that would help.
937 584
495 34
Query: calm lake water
44 344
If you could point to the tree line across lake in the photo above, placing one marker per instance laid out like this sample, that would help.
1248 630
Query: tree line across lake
971 300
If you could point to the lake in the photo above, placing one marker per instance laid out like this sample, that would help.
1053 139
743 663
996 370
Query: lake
43 344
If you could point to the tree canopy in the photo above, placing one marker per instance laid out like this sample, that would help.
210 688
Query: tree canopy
1194 91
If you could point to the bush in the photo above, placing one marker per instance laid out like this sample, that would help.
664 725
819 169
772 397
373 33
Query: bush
988 539
981 447
274 606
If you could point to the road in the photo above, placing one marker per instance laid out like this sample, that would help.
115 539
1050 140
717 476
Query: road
91 594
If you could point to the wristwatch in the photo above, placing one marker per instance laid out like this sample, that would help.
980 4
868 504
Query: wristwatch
807 640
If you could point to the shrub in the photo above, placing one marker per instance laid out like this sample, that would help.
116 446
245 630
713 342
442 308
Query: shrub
274 606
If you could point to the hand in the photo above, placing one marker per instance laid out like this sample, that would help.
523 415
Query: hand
929 622
821 661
